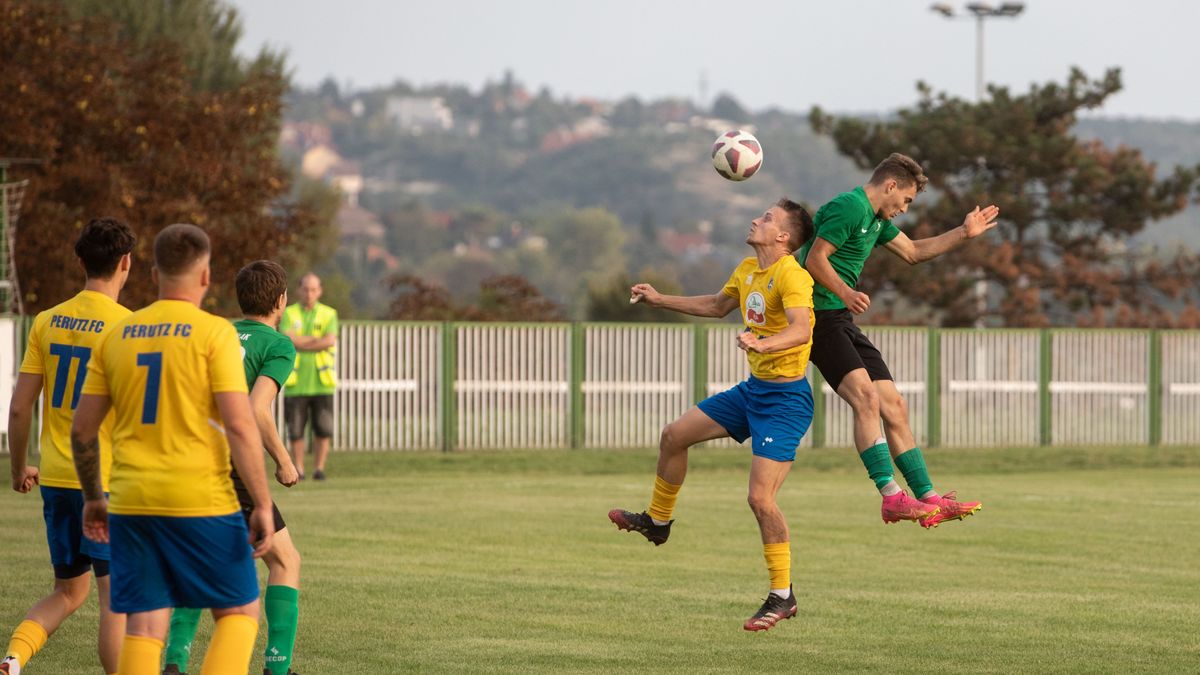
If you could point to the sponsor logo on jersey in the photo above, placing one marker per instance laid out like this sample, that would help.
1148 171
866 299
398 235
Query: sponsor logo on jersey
756 309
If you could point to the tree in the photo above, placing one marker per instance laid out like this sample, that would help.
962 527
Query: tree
1068 208
726 107
609 301
504 297
126 133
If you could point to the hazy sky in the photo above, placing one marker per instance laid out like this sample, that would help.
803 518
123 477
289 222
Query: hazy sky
844 55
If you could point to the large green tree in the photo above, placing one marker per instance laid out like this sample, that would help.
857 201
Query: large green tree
1062 254
126 131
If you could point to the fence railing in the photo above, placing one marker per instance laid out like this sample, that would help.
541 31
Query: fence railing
602 385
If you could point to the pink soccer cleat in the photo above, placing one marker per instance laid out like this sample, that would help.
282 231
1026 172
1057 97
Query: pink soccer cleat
900 506
951 508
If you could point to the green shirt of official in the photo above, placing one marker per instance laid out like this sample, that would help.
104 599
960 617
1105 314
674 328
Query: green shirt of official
314 372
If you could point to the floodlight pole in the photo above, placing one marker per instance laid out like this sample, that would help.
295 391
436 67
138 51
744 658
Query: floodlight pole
980 11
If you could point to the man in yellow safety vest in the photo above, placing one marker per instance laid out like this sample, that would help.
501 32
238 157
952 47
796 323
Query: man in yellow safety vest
308 393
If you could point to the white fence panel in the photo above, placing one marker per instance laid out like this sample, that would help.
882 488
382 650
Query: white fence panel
1181 388
1098 390
513 386
636 380
989 388
906 353
389 389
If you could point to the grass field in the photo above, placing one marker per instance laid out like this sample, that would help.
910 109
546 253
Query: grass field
1081 561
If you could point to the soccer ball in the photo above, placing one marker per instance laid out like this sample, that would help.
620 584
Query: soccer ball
737 155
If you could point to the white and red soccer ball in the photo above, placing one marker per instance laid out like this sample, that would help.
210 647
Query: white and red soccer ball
737 155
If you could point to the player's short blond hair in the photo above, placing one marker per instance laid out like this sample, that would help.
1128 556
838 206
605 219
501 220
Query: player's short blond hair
178 247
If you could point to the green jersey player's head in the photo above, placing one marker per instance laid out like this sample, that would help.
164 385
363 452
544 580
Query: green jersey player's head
262 291
894 184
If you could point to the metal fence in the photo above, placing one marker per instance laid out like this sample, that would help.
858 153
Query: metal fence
599 385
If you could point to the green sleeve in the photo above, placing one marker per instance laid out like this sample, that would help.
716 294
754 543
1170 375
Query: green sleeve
279 360
835 222
332 328
887 233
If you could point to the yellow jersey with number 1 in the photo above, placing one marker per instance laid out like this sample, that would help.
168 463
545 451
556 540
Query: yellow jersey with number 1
62 341
161 367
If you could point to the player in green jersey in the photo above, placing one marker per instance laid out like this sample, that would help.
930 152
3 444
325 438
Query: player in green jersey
268 357
848 229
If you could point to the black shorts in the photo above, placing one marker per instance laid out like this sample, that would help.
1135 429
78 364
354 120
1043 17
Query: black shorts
247 503
298 409
840 347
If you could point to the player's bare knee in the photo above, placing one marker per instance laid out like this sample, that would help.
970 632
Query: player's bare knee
864 399
74 592
893 409
761 504
670 439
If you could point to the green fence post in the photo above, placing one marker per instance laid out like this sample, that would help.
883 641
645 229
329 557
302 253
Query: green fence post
449 395
1155 388
577 375
1045 356
933 390
699 362
818 391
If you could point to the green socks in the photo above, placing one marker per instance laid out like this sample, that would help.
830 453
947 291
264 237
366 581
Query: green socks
878 463
283 613
183 630
912 465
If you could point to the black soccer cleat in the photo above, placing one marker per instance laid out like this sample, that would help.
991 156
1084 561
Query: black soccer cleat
773 610
641 523
172 669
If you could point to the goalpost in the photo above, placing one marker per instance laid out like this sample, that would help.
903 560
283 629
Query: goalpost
11 194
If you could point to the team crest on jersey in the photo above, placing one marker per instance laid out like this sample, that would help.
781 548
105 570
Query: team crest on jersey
756 309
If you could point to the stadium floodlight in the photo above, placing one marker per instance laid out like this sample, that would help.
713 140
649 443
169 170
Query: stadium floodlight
979 11
942 8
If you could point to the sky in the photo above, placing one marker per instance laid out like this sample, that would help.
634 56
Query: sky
843 55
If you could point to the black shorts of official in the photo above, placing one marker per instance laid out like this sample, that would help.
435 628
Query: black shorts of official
247 503
297 410
839 346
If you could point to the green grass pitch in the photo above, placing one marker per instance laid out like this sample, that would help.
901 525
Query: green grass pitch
1081 561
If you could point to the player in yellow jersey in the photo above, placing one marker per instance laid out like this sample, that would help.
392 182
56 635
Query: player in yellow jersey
773 407
172 374
61 342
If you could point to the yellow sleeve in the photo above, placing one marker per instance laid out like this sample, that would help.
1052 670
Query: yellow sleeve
796 288
732 288
225 371
97 380
33 362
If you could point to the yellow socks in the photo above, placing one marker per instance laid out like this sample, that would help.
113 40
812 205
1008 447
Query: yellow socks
231 647
139 655
779 564
662 502
27 639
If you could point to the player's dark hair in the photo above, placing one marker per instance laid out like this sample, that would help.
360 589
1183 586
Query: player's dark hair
902 169
178 247
259 286
101 245
800 224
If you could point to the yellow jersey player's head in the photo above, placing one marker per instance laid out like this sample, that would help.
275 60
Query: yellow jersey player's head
785 225
105 250
181 256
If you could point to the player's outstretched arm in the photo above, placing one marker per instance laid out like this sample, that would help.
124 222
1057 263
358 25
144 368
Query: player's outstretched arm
20 419
245 445
818 265
85 447
715 305
797 333
261 396
919 250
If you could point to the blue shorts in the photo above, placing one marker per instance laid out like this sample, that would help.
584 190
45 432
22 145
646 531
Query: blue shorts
71 553
161 561
775 415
